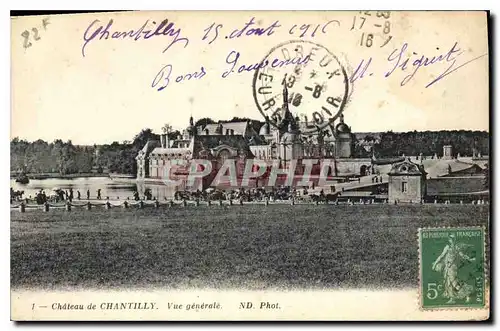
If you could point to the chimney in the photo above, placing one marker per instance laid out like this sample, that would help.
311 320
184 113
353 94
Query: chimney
447 152
167 141
162 140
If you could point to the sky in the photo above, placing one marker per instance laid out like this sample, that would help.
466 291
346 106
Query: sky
107 95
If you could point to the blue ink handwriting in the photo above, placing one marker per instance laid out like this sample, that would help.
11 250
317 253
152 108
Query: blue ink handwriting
103 32
163 76
233 57
305 27
399 59
252 28
396 58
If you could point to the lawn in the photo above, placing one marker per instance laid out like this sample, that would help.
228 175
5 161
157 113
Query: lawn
251 246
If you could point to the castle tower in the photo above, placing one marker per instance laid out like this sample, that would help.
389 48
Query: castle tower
343 139
291 147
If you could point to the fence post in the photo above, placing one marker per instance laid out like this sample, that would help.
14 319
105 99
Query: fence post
230 202
171 203
292 202
141 204
267 201
22 207
68 206
125 204
46 207
209 202
108 205
197 202
184 203
89 206
241 202
157 204
220 202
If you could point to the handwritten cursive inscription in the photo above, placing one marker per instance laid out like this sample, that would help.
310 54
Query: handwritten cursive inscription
252 28
233 57
396 58
163 77
402 60
96 30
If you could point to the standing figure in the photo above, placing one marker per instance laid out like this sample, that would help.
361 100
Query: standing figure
448 263
88 194
98 194
78 195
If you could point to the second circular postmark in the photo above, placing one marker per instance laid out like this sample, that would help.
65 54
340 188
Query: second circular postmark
311 79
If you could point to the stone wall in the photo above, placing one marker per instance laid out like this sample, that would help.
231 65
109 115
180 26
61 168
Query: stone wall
415 188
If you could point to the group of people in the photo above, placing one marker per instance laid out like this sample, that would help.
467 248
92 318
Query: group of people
68 195
61 195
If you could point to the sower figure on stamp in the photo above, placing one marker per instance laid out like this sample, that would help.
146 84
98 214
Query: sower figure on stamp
449 263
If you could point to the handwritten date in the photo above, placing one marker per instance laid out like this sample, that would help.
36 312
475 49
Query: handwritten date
251 28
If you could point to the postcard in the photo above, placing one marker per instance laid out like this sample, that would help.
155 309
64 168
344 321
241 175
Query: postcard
250 166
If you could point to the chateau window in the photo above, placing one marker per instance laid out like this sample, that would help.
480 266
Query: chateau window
404 187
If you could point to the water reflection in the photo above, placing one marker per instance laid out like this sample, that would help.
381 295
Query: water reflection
109 188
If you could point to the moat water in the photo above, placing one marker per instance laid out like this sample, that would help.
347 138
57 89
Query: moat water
111 188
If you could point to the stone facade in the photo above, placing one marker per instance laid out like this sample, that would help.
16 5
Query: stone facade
281 141
407 182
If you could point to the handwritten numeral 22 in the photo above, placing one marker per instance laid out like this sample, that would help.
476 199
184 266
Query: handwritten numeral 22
26 36
36 37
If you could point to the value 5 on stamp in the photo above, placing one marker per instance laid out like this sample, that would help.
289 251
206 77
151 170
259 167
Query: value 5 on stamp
452 272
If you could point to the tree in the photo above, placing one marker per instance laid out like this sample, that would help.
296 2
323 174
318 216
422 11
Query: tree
142 138
204 121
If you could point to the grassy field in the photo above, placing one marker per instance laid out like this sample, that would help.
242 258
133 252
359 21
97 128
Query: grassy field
252 247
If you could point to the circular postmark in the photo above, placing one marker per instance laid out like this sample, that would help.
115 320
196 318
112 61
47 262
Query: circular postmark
309 76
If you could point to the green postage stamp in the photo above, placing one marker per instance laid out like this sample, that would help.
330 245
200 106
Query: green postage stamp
452 267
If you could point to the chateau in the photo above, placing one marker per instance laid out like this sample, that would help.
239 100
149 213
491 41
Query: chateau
282 141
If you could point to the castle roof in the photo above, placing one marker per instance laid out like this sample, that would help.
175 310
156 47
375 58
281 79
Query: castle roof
240 128
406 168
444 167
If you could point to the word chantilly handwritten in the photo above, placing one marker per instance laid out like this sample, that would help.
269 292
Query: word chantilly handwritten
97 31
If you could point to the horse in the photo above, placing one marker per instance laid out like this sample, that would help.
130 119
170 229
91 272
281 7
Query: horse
16 195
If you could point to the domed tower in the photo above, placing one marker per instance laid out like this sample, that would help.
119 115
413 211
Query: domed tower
291 147
343 139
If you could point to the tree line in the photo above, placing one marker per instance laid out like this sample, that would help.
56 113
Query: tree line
427 143
66 158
